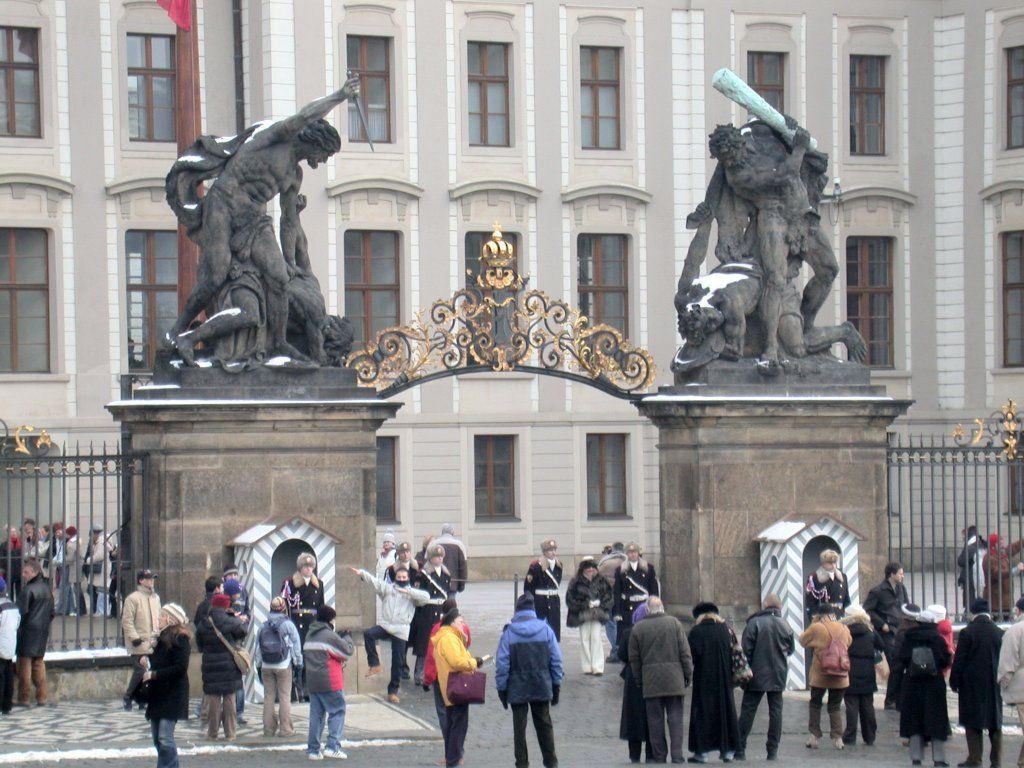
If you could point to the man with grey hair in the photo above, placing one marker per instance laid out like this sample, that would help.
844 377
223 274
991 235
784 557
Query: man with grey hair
659 657
767 643
454 557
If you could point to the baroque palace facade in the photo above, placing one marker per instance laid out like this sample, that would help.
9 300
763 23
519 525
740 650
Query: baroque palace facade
580 127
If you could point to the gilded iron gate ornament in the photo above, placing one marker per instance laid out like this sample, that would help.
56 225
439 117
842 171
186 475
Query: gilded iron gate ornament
493 325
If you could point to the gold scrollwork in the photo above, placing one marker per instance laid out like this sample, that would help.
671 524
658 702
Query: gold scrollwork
23 442
1003 427
492 325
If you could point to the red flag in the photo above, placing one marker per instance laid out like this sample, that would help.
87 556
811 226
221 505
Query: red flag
180 12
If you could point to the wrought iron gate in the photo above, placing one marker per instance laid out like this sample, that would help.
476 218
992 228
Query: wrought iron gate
949 496
90 492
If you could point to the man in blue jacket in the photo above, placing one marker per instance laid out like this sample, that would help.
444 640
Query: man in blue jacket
529 677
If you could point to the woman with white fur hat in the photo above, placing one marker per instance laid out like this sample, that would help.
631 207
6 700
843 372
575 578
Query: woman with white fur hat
923 715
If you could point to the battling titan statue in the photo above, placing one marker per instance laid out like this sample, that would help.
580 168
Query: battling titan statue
262 302
764 196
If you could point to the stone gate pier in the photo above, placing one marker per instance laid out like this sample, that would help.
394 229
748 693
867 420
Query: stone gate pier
227 452
735 459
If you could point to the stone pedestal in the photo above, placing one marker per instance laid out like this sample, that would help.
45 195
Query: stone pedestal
732 464
216 466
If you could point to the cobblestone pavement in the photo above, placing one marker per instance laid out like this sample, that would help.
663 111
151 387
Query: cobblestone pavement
586 724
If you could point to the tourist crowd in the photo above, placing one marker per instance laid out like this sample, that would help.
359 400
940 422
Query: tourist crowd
299 655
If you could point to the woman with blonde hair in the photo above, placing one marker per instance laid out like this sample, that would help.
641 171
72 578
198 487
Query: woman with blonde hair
865 651
166 678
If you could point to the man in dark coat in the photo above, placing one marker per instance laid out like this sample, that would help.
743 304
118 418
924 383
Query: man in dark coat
528 674
967 565
974 677
635 581
768 643
213 586
884 606
660 658
713 724
35 603
543 579
633 717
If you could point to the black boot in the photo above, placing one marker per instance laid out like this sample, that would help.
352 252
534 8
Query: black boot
974 747
995 755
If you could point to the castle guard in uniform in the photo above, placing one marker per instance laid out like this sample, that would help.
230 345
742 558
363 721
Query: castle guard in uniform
436 581
635 581
543 579
303 595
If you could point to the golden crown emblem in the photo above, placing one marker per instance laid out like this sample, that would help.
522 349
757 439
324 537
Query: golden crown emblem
498 264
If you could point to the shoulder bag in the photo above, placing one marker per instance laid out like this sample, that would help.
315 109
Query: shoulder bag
241 657
741 672
467 687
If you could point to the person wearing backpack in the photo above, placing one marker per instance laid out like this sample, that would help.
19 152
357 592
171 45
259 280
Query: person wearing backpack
830 672
278 650
923 715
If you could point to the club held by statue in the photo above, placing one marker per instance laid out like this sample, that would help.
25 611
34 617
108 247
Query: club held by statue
731 85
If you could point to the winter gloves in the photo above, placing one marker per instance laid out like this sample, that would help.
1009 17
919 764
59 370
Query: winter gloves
503 695
556 690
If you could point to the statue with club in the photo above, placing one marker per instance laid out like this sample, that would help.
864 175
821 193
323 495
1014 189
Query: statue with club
764 197
249 278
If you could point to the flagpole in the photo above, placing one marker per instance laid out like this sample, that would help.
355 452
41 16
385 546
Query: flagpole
187 126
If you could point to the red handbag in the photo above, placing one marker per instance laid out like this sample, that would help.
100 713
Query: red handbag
467 687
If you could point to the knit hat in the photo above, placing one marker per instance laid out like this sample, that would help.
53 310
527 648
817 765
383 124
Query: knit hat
71 531
232 587
980 605
993 540
175 613
229 569
938 611
220 600
706 607
389 536
525 602
3 585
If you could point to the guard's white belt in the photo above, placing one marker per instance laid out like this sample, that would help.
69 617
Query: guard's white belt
436 601
637 598
547 592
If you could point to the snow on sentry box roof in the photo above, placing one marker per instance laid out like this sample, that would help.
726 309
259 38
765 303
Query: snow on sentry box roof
793 524
253 535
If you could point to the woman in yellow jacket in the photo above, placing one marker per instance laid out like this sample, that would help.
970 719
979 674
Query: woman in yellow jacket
451 655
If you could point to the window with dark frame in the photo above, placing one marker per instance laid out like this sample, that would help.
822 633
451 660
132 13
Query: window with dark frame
869 296
370 59
1015 97
606 476
867 105
19 82
1013 299
151 87
387 480
152 288
603 280
24 301
600 98
494 476
488 94
766 74
372 287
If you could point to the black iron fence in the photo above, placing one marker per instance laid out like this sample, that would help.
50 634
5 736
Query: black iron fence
956 518
70 510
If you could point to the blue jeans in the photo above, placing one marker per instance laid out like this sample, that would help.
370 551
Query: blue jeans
163 740
332 706
611 629
240 700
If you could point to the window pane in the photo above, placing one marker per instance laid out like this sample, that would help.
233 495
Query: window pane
163 92
25 85
614 310
586 61
375 92
383 245
384 306
496 98
609 133
377 54
475 136
474 59
33 359
354 307
1017 132
496 130
496 60
503 505
30 242
166 252
1016 58
587 101
30 270
608 101
26 120
607 64
352 51
382 270
161 50
502 448
136 51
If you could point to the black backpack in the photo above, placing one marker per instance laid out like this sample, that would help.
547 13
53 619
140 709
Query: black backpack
922 662
272 645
